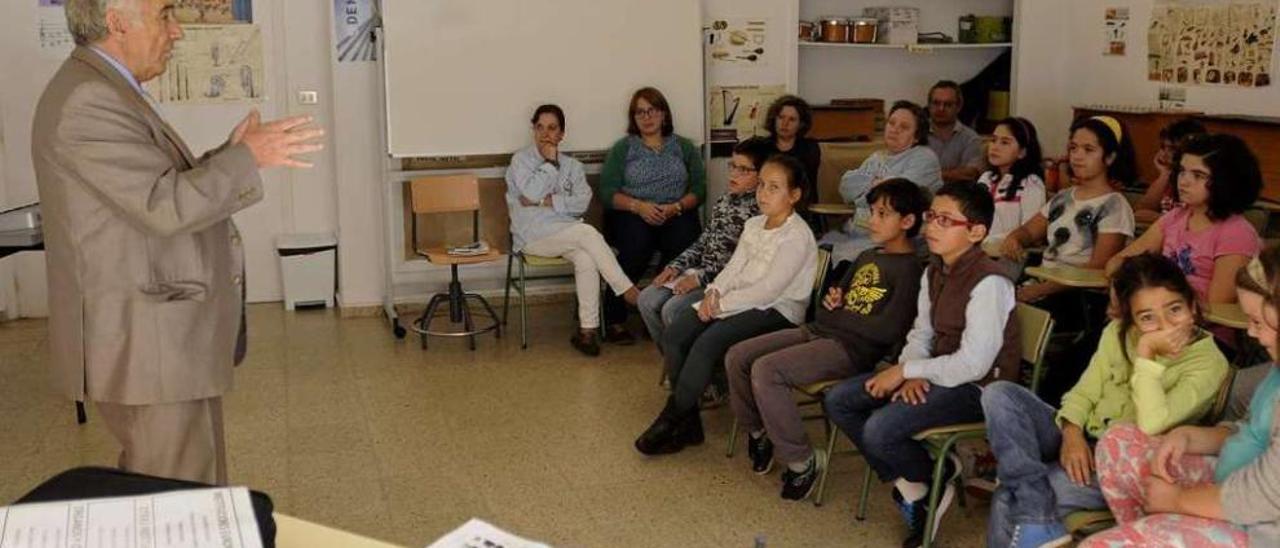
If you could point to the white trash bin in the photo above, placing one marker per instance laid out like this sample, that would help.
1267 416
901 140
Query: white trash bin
307 268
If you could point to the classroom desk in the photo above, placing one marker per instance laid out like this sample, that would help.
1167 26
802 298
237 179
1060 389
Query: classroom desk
1070 276
832 209
1227 314
293 532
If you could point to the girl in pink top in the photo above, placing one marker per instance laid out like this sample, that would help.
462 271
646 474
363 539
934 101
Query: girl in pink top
1217 179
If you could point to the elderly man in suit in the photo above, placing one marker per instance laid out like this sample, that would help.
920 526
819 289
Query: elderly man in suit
145 265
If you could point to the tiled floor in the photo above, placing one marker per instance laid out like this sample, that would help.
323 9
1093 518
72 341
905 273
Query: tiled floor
343 425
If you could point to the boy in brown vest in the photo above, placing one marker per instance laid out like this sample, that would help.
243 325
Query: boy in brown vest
964 336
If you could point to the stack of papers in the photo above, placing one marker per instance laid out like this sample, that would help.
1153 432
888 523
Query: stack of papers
220 517
469 250
480 534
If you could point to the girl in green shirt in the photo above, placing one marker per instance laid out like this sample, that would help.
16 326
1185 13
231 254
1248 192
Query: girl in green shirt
1154 367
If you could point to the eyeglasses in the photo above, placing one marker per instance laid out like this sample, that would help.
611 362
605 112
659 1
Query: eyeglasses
944 221
741 170
646 112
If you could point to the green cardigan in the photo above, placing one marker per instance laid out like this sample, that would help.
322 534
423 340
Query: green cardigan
612 175
1157 395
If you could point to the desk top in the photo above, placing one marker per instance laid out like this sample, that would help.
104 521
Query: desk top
1071 276
292 532
1227 314
832 209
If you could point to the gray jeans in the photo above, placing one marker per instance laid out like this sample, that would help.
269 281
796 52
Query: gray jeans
658 306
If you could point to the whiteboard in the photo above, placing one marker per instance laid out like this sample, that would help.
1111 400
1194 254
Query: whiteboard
464 76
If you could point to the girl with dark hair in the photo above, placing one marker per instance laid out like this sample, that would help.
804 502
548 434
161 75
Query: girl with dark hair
651 186
1159 199
1085 225
1204 485
1216 179
1154 367
765 287
788 122
1016 177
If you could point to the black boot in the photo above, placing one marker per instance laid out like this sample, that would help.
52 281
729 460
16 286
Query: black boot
660 437
689 428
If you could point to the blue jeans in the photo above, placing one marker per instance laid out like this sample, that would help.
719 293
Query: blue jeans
658 307
882 430
1033 487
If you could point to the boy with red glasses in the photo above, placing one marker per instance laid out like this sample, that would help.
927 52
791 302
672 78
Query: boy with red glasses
963 337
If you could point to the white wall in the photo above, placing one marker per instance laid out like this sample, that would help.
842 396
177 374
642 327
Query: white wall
1062 65
892 74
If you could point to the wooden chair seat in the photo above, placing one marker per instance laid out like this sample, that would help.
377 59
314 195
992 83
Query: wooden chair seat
816 389
539 260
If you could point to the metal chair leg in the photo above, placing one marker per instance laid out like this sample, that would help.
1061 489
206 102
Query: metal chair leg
424 322
497 331
506 291
866 494
935 489
832 432
524 312
468 323
733 439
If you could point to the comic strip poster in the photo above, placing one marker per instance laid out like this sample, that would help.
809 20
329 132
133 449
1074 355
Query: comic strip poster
1212 42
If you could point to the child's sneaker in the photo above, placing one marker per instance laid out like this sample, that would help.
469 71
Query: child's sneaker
1039 535
799 485
761 453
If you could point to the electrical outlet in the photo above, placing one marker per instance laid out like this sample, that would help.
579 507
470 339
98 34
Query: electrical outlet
308 97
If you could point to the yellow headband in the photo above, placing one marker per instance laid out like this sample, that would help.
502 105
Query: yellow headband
1112 123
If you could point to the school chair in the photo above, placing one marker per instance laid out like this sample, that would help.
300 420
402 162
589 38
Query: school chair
1034 329
1083 523
526 260
451 194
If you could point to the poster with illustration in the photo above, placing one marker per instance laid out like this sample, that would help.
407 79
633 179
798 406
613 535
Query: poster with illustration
739 41
1117 30
213 12
1212 42
213 64
738 112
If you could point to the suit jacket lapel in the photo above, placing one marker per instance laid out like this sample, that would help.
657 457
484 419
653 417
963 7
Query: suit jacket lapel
183 154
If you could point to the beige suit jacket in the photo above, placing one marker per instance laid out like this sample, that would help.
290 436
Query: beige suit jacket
144 263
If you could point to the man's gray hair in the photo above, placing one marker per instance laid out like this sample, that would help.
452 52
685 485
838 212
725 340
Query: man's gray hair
87 19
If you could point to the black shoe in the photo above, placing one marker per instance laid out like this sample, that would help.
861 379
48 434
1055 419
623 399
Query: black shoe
761 453
799 485
662 437
917 513
588 344
689 428
619 335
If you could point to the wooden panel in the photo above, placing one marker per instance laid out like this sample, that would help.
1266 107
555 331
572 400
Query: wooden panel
1262 136
444 194
844 123
444 229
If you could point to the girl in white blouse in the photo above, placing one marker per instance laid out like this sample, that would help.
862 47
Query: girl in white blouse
764 287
